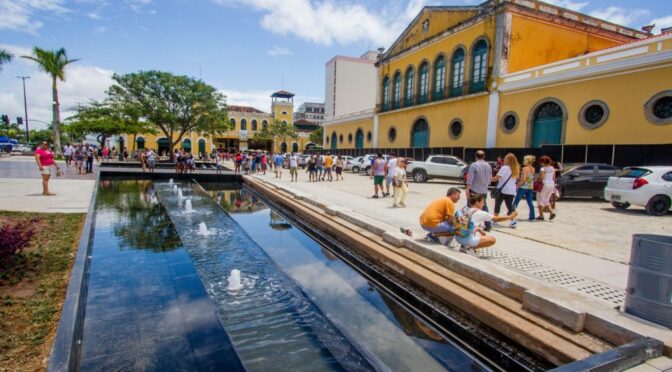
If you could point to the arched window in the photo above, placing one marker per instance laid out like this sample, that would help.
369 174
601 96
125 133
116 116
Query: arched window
295 147
439 77
386 93
284 122
479 66
283 147
254 124
548 119
334 139
408 94
201 146
359 139
396 91
420 134
423 81
233 123
457 73
243 124
186 145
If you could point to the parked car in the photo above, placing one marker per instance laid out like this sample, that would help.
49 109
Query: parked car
365 163
436 166
649 187
465 171
587 180
351 163
22 149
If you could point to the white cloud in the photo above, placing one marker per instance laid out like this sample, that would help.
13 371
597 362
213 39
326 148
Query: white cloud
100 29
279 51
569 4
138 5
95 16
82 83
620 16
330 21
19 15
662 22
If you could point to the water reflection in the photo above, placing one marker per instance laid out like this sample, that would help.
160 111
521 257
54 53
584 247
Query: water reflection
141 221
235 200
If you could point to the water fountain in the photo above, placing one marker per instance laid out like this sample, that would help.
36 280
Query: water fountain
170 182
175 188
234 280
187 206
203 229
179 194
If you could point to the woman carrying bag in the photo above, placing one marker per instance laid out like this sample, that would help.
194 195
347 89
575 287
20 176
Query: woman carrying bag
506 185
45 161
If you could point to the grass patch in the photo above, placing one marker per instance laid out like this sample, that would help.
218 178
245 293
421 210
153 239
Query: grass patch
32 288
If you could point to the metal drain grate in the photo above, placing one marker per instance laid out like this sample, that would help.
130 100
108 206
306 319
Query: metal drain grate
519 263
559 277
491 253
603 292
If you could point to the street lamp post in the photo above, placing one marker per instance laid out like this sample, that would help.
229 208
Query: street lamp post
25 106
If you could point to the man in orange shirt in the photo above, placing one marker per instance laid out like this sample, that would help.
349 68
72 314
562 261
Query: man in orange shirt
437 218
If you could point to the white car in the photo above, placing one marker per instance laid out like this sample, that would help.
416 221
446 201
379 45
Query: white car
365 163
649 187
351 163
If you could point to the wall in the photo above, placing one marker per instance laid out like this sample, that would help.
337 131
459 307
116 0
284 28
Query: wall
625 94
355 86
534 42
346 128
471 110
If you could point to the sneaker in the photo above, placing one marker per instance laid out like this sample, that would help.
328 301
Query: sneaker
405 231
432 238
468 250
395 206
552 216
374 197
402 204
513 224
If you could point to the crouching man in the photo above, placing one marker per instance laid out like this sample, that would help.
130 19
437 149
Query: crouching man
437 218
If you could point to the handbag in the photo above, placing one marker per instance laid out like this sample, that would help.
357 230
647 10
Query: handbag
537 186
59 172
497 191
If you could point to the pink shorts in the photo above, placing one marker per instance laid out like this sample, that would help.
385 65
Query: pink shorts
544 197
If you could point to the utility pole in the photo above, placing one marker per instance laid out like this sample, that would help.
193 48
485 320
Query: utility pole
25 106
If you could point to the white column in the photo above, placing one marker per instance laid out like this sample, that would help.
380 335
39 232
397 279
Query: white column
375 131
493 113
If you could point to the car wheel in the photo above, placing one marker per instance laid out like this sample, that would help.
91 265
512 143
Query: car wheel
355 169
621 206
367 171
419 176
658 205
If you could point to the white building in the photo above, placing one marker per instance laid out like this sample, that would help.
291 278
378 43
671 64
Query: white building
350 84
310 111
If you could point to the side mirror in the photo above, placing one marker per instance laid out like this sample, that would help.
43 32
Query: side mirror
573 175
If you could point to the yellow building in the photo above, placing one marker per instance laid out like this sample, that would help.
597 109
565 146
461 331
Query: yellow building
245 122
514 74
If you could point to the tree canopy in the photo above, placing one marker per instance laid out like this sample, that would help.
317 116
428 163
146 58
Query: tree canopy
277 130
5 57
317 135
172 104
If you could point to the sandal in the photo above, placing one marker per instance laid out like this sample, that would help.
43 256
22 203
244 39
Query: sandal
374 197
552 216
540 218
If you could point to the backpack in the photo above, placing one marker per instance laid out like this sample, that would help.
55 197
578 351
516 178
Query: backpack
462 224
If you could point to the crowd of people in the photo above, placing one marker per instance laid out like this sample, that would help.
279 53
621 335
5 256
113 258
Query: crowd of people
469 225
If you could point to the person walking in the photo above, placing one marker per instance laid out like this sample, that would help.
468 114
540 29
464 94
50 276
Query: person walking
293 168
238 161
339 168
106 154
478 180
390 169
328 164
67 153
278 160
547 177
400 184
80 157
143 160
506 184
319 162
89 159
378 171
312 169
44 158
264 163
526 185
151 160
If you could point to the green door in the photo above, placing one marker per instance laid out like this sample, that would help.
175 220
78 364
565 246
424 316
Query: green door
359 139
334 141
547 125
420 134
201 146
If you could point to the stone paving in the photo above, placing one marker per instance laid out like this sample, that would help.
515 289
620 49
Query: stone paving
22 189
585 249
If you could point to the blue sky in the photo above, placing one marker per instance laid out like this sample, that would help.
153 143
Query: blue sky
246 48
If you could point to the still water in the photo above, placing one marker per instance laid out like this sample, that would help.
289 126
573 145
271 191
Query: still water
159 298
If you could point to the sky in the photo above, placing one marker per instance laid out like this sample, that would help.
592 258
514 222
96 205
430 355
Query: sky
246 48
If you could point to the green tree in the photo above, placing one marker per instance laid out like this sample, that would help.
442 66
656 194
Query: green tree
5 57
53 62
317 136
173 104
104 119
277 131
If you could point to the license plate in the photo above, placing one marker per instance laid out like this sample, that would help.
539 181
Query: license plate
616 197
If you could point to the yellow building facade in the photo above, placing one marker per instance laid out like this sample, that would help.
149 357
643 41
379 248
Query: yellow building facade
514 74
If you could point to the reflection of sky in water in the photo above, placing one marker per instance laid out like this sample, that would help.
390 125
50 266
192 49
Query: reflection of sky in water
347 299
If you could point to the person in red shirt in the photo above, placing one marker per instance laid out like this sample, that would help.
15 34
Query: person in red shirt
45 161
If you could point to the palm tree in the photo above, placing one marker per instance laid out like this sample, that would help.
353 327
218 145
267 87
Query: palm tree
5 57
53 62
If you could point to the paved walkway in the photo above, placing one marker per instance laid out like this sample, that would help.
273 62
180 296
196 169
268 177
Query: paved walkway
22 189
583 268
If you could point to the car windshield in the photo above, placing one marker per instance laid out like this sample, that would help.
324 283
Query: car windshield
633 173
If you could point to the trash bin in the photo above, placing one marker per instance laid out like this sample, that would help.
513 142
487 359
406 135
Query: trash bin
649 291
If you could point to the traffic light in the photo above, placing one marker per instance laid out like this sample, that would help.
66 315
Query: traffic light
5 119
19 120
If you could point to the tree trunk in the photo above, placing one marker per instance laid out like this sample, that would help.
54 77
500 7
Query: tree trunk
135 137
56 118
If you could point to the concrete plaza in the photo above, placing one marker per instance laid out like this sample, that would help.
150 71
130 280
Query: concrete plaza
585 248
